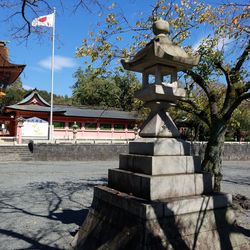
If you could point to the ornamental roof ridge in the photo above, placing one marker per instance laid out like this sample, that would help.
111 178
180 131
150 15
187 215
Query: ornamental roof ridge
33 94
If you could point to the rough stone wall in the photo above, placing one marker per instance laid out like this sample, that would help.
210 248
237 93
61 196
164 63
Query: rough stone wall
232 150
236 151
91 152
78 152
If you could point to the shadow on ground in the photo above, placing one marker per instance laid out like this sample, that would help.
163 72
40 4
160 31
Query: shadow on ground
44 215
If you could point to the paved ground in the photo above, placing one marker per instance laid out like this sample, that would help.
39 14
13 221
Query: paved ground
42 203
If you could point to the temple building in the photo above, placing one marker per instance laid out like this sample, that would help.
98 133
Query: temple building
91 123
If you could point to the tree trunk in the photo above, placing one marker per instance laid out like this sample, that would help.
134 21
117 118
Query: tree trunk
213 154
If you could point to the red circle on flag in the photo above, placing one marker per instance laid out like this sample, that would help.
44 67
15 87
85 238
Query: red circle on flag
42 19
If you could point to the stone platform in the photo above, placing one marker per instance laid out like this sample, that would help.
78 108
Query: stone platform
117 220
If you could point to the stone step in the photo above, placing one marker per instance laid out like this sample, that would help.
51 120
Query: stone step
145 209
15 153
119 221
160 165
159 146
160 186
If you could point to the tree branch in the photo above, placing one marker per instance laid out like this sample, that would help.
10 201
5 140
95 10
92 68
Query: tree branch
210 95
236 103
241 59
200 81
225 72
183 30
81 3
229 86
247 86
24 17
193 109
191 103
232 78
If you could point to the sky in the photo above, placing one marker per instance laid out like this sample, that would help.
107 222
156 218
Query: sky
70 30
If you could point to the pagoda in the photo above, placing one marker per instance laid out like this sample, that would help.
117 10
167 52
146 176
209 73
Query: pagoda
159 197
9 72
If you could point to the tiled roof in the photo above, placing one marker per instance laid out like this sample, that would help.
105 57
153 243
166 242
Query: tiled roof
98 113
34 108
71 111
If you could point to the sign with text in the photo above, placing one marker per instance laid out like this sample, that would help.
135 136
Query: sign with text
35 127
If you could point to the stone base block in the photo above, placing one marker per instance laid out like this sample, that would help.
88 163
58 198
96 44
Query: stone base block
113 223
160 146
160 186
159 124
160 165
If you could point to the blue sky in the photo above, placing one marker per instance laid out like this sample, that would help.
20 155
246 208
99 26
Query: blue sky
70 30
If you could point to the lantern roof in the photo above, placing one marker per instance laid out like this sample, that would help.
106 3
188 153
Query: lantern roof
161 51
9 72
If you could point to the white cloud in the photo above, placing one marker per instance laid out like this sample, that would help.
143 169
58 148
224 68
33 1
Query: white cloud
60 62
223 43
27 87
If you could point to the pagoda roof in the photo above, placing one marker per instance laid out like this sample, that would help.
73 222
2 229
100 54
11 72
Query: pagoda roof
162 51
9 73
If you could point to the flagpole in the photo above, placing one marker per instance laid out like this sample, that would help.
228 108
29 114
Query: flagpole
52 77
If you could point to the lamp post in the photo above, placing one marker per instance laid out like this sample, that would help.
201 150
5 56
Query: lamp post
20 121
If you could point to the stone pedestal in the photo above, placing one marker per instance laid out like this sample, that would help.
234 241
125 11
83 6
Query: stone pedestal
159 199
117 220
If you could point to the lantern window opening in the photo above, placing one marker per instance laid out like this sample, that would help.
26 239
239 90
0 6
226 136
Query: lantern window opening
151 79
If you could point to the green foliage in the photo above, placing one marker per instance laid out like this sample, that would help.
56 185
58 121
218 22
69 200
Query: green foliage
57 99
14 93
115 91
185 17
127 84
240 120
94 91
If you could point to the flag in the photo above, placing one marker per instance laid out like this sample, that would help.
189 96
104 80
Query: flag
44 21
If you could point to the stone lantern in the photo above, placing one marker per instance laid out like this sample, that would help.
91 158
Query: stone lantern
161 58
136 130
20 120
159 197
75 127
